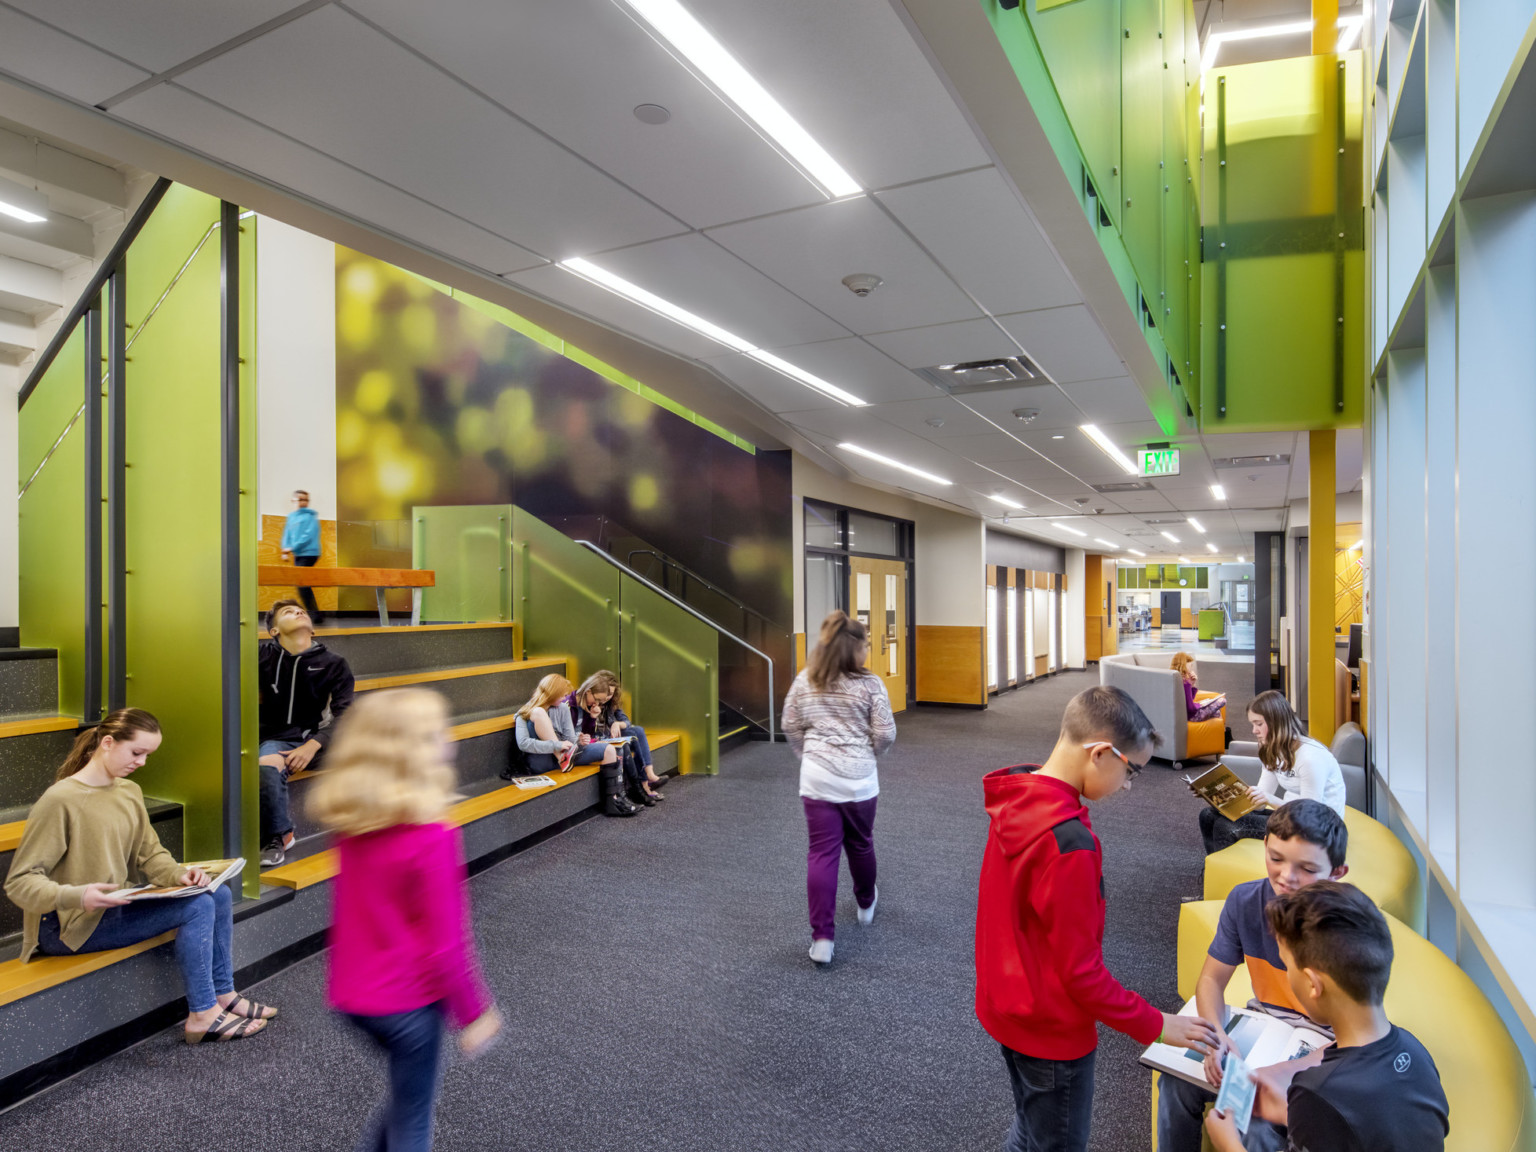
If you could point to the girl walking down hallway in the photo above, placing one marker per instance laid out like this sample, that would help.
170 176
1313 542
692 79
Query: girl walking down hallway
837 719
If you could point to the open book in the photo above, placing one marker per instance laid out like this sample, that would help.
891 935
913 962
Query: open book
533 782
1224 791
1261 1041
218 872
616 741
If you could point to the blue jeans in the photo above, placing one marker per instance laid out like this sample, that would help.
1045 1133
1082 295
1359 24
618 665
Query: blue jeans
414 1043
642 746
275 821
1181 1120
1052 1103
204 931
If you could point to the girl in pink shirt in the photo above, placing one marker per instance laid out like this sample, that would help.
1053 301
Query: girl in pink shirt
402 954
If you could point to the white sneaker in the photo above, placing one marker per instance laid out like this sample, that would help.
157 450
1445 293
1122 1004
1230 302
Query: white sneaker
821 951
867 915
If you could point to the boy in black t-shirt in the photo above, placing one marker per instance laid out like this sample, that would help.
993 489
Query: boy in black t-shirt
1376 1090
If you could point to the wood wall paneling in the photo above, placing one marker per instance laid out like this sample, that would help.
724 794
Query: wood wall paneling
269 550
951 665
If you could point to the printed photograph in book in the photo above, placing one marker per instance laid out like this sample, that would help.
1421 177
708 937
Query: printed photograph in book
1224 791
219 872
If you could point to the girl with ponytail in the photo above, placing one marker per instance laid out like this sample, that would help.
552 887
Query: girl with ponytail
90 834
837 719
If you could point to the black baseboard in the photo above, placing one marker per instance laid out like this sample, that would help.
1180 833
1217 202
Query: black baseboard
947 704
10 637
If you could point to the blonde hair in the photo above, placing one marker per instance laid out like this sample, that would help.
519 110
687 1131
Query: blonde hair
386 765
1181 663
552 688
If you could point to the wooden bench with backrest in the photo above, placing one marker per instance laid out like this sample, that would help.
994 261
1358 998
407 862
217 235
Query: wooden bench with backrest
379 579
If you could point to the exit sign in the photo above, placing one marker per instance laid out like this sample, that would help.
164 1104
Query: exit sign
1158 461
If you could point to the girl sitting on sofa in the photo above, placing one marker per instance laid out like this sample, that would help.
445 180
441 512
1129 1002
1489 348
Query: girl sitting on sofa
1184 665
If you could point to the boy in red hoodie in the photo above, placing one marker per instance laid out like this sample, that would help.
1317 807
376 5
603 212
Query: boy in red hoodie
1041 984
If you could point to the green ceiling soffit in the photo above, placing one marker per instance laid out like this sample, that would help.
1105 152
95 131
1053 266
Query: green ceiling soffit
570 352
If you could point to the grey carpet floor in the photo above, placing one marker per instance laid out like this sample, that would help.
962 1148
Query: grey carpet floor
657 991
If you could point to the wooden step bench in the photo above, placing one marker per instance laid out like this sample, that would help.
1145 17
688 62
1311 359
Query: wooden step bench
436 675
379 579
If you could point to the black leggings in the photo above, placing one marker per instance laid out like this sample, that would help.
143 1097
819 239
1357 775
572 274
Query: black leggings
1218 832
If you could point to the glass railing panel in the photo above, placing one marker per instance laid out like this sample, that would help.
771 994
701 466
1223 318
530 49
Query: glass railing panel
373 544
565 598
469 547
670 673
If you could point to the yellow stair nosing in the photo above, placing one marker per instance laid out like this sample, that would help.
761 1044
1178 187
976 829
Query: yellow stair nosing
406 629
18 980
37 724
407 679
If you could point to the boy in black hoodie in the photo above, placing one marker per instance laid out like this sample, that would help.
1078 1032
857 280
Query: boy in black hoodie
300 679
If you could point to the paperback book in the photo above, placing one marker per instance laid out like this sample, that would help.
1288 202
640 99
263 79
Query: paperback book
1224 791
534 782
1260 1040
219 871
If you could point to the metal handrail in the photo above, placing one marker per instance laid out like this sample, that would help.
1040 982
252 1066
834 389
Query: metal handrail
668 561
660 591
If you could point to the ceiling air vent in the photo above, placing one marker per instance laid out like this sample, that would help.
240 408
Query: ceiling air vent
984 375
1124 486
1168 520
1251 461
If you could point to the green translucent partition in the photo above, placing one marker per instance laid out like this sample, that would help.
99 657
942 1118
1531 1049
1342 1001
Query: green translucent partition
250 540
469 547
672 674
566 599
173 514
51 511
1283 283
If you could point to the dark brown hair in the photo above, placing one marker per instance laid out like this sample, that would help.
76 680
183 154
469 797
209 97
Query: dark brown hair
120 725
1335 929
1278 751
837 651
1106 713
1314 822
279 605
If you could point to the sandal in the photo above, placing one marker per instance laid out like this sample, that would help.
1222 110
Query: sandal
226 1027
250 1009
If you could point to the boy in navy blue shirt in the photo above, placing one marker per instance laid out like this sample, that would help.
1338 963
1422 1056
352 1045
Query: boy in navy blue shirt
1376 1089
1304 842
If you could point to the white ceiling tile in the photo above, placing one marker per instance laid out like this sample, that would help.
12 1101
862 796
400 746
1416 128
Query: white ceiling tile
853 365
577 69
809 251
155 34
773 390
1055 408
954 343
38 53
1067 342
390 114
853 76
1107 402
987 448
221 135
975 226
913 415
695 273
568 290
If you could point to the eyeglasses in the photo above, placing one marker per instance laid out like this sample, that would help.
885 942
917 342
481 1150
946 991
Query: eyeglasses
1131 770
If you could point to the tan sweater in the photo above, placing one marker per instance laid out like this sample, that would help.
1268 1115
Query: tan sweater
77 835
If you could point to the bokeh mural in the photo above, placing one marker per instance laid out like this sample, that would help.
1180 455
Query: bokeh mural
439 402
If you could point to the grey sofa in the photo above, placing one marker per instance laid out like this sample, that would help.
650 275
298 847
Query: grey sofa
1154 685
1348 749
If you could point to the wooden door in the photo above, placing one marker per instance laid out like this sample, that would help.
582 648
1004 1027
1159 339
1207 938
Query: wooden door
878 593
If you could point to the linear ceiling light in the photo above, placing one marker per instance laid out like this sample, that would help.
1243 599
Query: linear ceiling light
1064 528
1210 547
1166 535
1218 491
1107 446
1137 552
1007 503
22 203
1357 545
1106 543
633 292
1196 525
1184 560
867 454
1349 29
677 26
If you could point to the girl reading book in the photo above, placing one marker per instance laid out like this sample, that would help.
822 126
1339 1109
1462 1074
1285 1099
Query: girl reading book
595 706
402 959
85 838
545 731
1196 711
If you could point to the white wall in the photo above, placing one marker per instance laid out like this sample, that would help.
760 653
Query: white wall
949 570
295 369
10 612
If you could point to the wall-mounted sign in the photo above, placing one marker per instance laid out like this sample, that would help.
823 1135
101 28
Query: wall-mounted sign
1158 461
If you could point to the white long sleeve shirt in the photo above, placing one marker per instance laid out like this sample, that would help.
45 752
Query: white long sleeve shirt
1315 775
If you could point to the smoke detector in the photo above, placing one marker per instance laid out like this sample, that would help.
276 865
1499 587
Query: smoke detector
1027 415
861 284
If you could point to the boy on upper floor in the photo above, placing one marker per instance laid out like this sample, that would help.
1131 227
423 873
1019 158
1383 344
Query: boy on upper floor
301 544
1376 1089
1041 985
301 680
1304 842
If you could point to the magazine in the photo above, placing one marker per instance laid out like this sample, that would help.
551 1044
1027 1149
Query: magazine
534 782
1224 791
218 871
1261 1040
617 741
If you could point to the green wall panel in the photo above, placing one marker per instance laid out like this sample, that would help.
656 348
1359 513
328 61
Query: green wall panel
672 674
470 549
250 537
566 598
51 519
1141 144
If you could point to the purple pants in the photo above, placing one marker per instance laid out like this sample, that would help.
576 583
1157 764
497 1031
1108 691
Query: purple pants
833 828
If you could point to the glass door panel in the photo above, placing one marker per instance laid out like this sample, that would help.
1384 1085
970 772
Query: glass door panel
1013 635
991 637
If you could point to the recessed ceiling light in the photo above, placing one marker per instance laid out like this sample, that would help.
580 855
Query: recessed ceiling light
649 300
875 456
22 203
1218 491
652 114
1064 528
1197 526
1007 503
1107 446
1166 535
1137 552
1184 560
723 72
1241 559
1058 436
1210 547
1106 543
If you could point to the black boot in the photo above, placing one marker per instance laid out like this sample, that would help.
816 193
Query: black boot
611 781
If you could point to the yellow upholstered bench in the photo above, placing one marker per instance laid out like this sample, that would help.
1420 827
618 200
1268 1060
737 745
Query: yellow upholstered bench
1492 1108
1379 865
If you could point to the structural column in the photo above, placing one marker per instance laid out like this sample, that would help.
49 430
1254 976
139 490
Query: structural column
1321 447
1325 26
